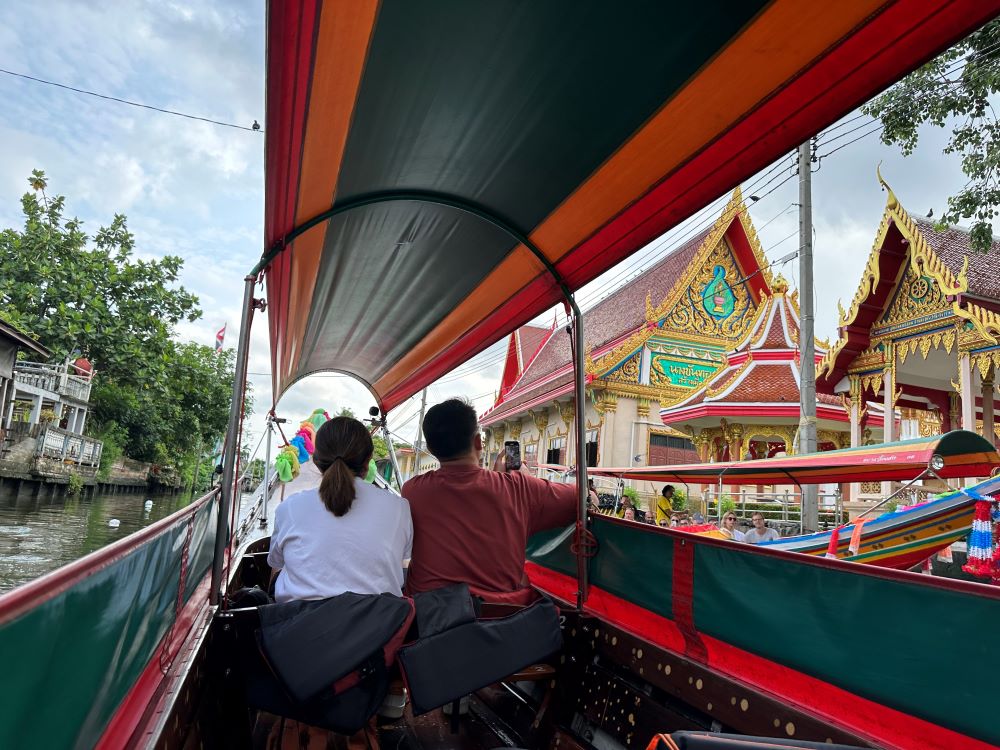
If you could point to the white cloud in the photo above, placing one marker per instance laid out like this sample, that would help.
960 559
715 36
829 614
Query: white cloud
196 190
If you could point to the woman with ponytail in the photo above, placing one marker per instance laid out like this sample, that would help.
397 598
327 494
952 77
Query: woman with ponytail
345 535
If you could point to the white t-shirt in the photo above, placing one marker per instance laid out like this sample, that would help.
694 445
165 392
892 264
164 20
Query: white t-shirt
753 537
736 535
321 555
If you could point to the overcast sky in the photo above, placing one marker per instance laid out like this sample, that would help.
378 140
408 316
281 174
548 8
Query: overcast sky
194 189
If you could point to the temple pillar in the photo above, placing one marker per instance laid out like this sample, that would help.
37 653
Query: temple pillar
889 402
965 392
954 412
734 437
703 444
889 406
854 405
988 431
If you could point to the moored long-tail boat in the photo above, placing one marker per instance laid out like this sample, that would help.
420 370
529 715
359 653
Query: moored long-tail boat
438 173
899 539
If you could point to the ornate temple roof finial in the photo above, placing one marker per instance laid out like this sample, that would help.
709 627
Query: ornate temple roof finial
779 285
891 202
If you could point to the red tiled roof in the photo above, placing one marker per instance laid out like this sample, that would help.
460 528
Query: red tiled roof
621 312
952 246
517 400
531 339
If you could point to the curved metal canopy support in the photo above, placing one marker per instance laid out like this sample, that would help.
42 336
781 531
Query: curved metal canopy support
481 212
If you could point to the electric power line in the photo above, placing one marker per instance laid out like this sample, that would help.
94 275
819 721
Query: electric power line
255 128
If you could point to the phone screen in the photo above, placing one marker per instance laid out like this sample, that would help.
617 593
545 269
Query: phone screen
512 449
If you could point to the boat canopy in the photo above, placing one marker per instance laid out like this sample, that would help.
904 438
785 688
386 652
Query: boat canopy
440 172
957 454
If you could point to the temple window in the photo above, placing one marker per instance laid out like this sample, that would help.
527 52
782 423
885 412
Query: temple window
531 454
557 451
591 446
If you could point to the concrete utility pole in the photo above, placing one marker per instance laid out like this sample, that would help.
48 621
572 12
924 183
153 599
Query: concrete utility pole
418 446
807 340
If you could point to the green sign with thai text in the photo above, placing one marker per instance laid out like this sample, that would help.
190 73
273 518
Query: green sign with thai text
681 371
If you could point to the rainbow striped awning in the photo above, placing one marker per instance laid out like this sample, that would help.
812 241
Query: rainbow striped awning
429 162
963 454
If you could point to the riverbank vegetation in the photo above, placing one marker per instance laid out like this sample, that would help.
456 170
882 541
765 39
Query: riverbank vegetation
154 398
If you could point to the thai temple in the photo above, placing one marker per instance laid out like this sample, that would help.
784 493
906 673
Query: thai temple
697 359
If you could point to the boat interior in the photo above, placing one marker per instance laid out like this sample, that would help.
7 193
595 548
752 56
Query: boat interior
604 688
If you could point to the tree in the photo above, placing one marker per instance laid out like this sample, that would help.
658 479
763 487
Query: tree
117 310
955 89
153 398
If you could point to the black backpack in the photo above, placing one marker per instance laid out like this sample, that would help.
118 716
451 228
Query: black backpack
326 663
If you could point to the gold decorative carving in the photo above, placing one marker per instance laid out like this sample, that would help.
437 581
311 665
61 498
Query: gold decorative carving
734 437
642 408
986 322
948 339
922 260
689 313
605 401
925 346
566 410
872 381
984 363
703 444
918 295
628 372
930 422
515 429
540 418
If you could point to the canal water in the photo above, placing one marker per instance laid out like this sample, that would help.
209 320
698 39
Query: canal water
40 536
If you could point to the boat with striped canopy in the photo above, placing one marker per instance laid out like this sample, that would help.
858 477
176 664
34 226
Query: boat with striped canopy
438 173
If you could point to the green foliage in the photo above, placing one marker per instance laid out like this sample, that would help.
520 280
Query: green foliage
75 485
678 501
113 438
158 398
955 88
632 494
381 449
345 412
728 504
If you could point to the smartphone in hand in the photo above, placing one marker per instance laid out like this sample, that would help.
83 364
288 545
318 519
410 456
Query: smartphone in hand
512 455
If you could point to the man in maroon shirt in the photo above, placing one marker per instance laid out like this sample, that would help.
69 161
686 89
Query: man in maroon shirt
471 525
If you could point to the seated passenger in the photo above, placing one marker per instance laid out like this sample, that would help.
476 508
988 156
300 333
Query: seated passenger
471 525
345 535
760 532
729 528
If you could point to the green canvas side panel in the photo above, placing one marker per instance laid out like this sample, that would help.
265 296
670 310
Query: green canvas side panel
69 662
634 563
923 650
550 549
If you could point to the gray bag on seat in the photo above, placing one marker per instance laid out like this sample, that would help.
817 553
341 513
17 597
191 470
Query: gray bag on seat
443 667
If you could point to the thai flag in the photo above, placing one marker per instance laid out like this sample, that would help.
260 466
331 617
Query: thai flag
220 337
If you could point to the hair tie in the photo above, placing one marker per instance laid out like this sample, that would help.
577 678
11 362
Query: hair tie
337 458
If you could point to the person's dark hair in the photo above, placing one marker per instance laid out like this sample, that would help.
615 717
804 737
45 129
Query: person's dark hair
343 450
669 487
449 428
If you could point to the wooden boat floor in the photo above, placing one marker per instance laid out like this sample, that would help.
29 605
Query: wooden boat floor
479 729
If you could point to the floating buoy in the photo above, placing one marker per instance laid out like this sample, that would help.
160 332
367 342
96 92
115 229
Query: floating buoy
148 504
114 523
